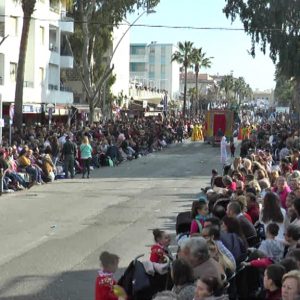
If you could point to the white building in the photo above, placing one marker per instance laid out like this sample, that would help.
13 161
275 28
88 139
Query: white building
120 60
151 66
46 58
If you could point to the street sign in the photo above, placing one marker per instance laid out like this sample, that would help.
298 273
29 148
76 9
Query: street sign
145 103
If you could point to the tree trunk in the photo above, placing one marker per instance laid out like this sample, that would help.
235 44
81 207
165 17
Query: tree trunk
86 67
297 97
184 93
28 8
91 113
197 75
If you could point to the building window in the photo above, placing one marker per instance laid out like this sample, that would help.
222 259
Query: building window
42 35
163 71
163 51
13 26
13 71
137 67
137 50
41 74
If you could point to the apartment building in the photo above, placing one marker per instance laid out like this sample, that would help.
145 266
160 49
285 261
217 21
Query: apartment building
205 82
151 67
47 55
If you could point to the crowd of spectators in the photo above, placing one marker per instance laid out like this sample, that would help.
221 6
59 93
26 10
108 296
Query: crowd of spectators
40 155
240 240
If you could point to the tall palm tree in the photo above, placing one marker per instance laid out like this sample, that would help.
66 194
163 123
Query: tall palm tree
226 84
239 87
28 9
200 61
184 56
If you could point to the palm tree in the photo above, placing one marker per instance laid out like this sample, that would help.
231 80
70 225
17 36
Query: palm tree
28 9
200 61
226 84
184 56
239 87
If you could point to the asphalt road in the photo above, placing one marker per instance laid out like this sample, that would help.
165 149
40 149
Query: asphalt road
52 235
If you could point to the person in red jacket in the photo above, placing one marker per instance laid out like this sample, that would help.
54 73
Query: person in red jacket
159 251
252 207
106 287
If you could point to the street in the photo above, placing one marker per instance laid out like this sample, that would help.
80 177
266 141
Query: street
52 235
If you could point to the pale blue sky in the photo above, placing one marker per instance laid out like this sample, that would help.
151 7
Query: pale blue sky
229 48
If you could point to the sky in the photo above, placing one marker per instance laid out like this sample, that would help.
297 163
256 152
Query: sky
229 49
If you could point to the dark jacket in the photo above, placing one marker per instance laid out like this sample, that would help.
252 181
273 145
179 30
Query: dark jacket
235 245
248 230
69 148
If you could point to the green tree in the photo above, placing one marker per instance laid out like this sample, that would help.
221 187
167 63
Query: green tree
199 60
92 42
227 84
28 9
275 24
239 86
284 90
184 56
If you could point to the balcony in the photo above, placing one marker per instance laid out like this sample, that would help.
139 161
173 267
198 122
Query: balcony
59 96
52 87
66 89
140 93
66 62
54 57
66 24
138 58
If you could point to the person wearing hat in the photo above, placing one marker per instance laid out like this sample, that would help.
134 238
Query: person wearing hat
69 151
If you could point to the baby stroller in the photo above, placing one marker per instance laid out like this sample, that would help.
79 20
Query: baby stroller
140 283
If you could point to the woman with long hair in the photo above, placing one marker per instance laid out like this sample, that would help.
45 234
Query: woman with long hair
232 225
272 212
86 156
233 238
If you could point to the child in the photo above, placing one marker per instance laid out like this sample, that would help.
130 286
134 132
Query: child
106 287
159 251
270 250
272 281
199 215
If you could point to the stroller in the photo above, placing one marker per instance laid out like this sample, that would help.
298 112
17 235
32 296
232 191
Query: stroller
140 285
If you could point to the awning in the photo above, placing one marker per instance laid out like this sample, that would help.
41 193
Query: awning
155 101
